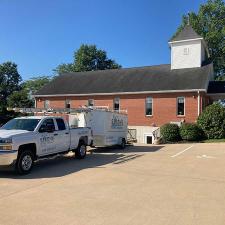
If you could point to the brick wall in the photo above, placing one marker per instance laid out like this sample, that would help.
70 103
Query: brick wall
164 106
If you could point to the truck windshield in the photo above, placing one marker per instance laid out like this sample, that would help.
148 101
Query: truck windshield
21 124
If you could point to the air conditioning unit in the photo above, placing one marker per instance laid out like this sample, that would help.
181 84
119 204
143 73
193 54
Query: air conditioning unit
177 123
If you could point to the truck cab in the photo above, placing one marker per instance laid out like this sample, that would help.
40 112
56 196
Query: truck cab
25 139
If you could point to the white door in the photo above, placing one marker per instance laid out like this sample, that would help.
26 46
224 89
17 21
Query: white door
47 140
62 136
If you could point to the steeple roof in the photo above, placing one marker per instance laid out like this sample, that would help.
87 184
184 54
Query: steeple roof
186 34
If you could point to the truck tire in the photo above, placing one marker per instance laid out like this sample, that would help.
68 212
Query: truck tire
81 151
123 143
24 162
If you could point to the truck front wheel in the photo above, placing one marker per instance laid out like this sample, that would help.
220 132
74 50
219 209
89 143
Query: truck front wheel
81 151
25 162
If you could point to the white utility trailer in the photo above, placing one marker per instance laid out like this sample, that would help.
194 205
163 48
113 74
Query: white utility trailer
108 127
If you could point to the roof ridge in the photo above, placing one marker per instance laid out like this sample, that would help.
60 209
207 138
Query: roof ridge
119 69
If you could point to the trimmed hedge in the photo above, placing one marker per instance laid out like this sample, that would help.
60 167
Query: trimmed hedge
212 121
170 132
191 132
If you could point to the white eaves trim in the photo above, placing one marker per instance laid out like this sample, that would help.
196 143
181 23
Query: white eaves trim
123 93
187 40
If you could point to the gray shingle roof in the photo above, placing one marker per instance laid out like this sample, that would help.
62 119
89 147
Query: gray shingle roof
185 34
141 79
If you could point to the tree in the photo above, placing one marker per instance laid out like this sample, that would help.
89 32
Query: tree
88 58
212 121
20 99
209 22
36 83
9 82
23 98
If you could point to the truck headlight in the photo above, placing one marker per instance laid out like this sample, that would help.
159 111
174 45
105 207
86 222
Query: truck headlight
6 141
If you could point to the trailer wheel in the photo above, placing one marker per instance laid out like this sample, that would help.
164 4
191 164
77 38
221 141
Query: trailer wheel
123 144
25 162
81 151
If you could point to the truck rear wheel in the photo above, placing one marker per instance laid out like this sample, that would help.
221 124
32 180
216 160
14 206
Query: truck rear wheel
123 144
81 151
25 162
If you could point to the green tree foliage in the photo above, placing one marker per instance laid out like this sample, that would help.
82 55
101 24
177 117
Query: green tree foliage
209 22
20 99
23 98
88 58
191 132
9 82
36 83
212 121
170 132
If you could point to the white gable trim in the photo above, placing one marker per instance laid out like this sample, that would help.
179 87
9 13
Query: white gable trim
194 39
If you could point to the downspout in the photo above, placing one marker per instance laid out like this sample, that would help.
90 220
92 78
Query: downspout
199 103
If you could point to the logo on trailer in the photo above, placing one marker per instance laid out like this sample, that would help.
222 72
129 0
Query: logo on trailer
117 123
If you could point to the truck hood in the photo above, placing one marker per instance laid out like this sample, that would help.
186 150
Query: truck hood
11 133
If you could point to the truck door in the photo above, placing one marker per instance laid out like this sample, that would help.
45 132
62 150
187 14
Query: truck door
47 138
62 136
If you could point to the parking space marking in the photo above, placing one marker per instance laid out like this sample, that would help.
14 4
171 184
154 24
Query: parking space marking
205 156
179 153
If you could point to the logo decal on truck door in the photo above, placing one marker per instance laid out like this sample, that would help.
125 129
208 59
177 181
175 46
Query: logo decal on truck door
46 144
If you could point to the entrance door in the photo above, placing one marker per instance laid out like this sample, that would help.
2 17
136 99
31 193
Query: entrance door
148 139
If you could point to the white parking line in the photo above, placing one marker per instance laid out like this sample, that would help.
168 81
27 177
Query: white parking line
205 156
179 153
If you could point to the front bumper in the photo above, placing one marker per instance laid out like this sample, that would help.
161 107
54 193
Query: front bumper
8 158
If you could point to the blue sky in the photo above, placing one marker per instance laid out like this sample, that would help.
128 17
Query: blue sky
38 35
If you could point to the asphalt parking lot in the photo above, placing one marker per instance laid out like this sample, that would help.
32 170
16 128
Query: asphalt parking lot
182 184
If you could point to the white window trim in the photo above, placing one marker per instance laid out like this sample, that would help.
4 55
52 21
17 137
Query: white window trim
146 104
114 103
91 100
184 106
49 105
67 101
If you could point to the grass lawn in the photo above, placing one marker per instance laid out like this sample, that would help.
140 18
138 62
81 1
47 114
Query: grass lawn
213 140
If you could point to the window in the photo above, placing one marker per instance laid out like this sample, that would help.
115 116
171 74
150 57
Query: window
148 106
116 104
60 124
46 104
180 106
67 104
47 123
90 102
186 51
21 124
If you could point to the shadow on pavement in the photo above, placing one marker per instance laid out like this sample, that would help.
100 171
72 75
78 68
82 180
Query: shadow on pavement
63 165
128 149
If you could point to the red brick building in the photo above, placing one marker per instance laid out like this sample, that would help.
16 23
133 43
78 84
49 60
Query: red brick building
152 95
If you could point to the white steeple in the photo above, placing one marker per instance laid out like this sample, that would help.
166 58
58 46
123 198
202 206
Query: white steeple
188 49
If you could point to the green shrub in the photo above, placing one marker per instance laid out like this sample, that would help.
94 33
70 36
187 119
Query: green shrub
212 121
170 132
191 132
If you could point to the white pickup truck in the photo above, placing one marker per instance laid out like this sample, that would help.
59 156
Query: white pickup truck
26 139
